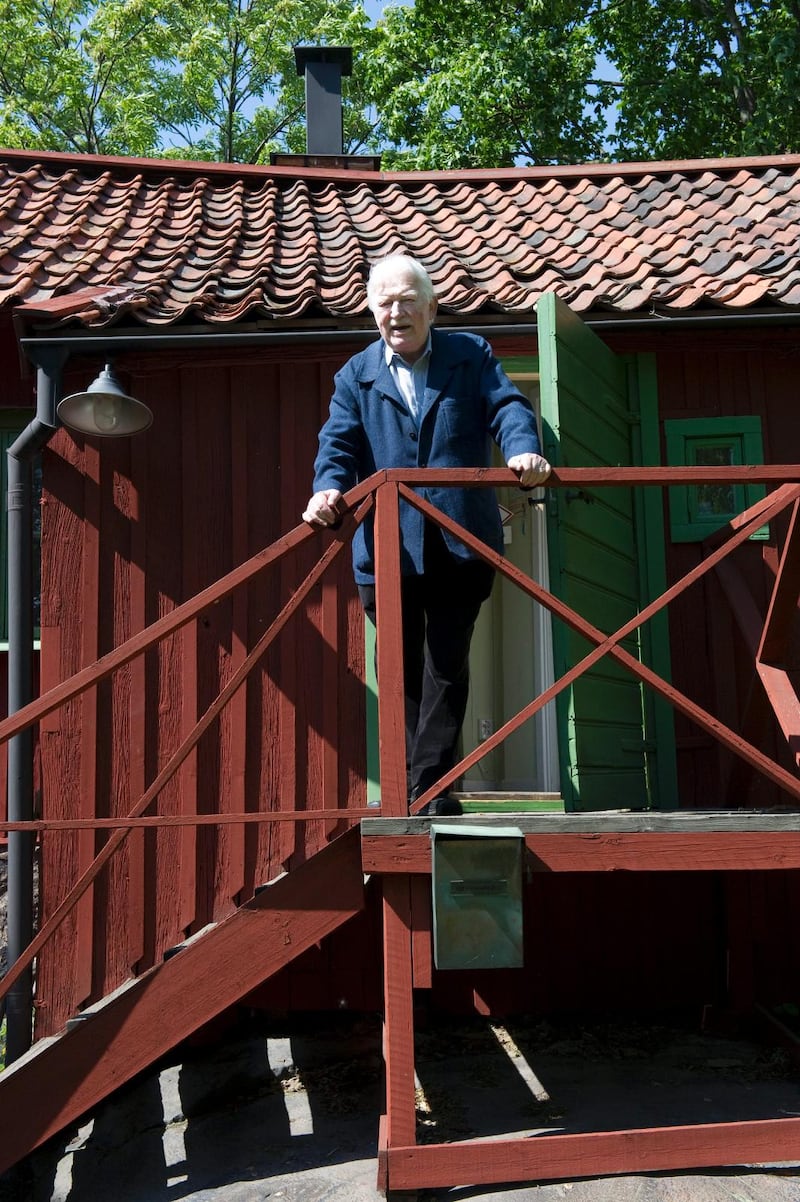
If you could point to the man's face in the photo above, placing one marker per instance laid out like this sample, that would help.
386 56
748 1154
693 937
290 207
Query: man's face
401 313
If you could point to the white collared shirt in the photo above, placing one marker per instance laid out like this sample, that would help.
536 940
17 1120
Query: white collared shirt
411 378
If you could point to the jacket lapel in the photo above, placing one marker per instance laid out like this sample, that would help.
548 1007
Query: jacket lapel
374 370
440 370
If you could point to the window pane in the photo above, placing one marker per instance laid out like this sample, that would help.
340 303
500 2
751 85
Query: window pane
712 442
714 500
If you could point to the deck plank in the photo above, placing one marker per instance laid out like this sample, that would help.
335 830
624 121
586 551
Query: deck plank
607 842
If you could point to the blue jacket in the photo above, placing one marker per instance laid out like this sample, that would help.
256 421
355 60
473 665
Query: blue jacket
468 399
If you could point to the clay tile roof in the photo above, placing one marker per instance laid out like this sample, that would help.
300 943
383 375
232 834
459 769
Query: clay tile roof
96 240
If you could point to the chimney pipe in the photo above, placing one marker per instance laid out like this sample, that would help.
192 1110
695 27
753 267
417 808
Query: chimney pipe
323 67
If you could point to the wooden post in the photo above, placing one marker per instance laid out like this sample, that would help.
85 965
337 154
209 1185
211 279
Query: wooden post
398 1038
391 693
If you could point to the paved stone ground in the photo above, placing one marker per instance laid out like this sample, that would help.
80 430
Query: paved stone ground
291 1113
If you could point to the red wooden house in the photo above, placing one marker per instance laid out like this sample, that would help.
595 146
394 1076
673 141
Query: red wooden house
206 724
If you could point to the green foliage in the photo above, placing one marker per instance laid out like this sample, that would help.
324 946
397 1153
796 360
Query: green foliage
81 78
241 96
466 83
436 84
700 78
208 79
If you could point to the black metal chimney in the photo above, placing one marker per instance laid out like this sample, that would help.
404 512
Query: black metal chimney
323 67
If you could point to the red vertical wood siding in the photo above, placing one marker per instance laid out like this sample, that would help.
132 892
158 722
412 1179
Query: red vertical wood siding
131 530
708 376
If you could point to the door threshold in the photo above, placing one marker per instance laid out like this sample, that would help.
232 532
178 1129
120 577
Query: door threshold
516 802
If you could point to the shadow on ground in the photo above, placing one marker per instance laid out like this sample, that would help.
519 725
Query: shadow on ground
292 1112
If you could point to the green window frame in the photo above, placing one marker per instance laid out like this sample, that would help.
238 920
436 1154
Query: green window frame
12 423
696 511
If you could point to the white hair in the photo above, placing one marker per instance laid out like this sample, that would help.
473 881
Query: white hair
400 263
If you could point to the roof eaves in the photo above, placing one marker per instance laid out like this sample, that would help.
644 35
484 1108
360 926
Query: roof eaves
89 306
195 169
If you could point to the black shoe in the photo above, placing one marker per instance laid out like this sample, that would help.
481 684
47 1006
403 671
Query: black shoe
441 807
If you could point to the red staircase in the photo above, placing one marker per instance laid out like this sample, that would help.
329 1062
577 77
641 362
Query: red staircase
62 1078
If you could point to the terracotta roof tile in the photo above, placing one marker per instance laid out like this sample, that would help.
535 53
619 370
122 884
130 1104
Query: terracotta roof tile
226 244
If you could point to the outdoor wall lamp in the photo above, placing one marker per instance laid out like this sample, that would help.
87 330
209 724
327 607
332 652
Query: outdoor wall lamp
104 409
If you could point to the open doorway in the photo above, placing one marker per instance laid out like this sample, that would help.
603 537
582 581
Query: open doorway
511 660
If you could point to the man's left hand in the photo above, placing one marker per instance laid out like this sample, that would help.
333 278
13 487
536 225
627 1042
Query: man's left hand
531 469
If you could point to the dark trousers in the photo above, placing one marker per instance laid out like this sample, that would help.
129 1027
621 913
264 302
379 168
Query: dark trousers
440 609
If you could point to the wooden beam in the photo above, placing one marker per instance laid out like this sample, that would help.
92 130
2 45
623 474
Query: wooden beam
783 603
784 702
591 477
757 710
421 932
389 635
689 851
398 1035
53 1085
698 852
597 1154
589 822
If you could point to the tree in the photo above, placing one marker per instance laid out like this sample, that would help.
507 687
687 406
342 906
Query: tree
240 93
210 79
467 83
435 84
82 81
699 78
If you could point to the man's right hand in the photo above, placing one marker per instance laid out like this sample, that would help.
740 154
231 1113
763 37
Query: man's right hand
323 508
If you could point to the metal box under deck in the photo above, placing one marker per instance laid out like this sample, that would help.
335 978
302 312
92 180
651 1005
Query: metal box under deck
401 851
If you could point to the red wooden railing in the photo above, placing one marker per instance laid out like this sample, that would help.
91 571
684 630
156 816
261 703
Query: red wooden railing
385 491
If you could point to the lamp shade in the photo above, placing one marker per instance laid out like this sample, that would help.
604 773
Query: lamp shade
104 409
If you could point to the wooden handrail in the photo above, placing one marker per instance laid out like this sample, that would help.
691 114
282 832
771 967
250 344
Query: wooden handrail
392 484
430 477
763 511
600 477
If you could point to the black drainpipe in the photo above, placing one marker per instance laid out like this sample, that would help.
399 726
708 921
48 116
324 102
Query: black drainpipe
21 844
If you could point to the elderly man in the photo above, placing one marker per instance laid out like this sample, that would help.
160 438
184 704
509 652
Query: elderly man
421 397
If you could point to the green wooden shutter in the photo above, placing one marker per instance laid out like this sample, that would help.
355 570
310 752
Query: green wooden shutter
606 754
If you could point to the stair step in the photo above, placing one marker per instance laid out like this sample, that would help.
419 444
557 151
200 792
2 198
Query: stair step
62 1078
190 939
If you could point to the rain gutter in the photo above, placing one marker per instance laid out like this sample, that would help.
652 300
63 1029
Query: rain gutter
87 342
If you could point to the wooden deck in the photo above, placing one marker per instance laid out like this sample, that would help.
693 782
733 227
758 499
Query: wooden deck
399 850
609 842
